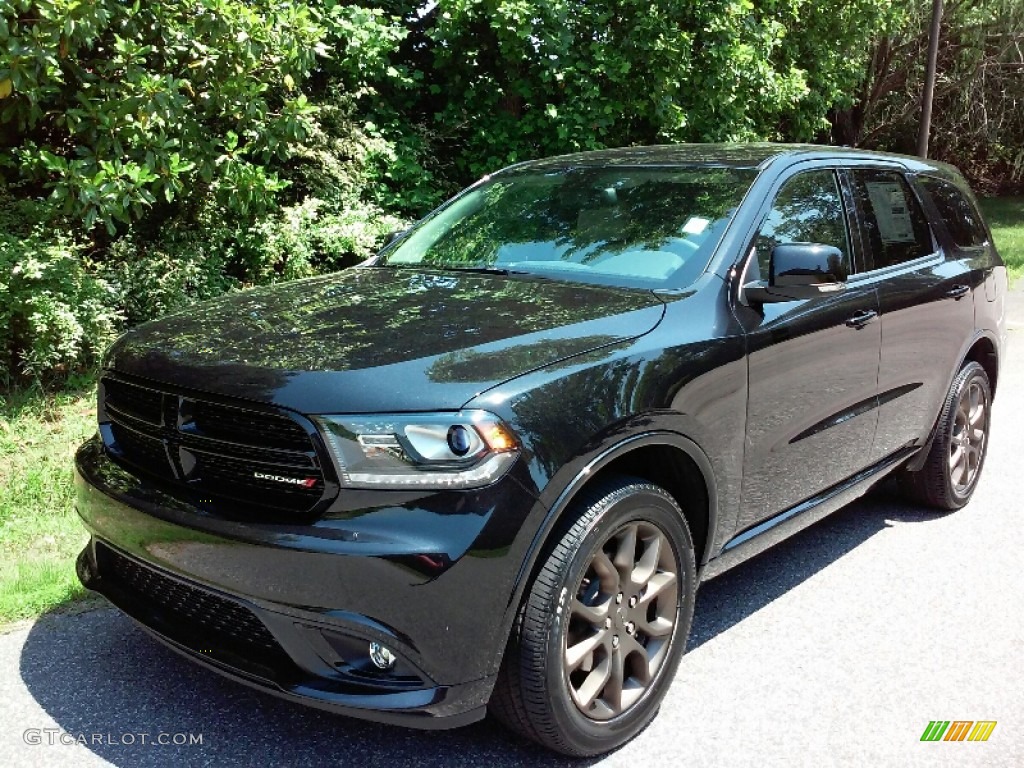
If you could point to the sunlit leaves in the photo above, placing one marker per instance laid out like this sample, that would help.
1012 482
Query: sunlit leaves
522 78
110 98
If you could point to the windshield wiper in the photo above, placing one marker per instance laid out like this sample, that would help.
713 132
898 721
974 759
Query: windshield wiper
501 271
504 272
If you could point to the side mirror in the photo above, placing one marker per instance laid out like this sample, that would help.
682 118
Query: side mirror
800 271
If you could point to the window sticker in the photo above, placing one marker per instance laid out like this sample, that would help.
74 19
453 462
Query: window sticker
891 212
695 225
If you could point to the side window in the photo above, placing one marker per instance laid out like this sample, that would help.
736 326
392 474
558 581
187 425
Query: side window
961 217
895 228
808 209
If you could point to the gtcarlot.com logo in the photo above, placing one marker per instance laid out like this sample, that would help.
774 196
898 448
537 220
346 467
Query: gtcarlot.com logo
51 736
958 730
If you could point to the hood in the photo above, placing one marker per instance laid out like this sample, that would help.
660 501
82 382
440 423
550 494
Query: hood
379 339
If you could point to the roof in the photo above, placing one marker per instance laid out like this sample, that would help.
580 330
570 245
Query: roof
750 155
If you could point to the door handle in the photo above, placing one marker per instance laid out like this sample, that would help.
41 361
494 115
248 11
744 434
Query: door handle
957 292
861 318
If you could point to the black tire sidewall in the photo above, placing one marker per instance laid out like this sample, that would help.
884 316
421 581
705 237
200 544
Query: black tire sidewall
588 736
970 373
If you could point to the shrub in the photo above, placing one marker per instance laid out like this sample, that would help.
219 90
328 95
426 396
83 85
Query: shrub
197 146
310 237
150 274
55 315
149 277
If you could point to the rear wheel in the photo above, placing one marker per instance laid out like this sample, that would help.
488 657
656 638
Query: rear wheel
951 472
603 625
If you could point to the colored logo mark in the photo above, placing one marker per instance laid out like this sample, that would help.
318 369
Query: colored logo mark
958 730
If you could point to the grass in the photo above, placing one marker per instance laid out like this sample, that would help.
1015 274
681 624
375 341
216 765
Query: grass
40 535
1005 215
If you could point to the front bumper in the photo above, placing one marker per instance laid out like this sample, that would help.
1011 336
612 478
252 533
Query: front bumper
291 609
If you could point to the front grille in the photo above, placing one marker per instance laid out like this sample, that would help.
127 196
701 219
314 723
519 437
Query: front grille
145 451
242 425
136 403
237 479
194 617
223 454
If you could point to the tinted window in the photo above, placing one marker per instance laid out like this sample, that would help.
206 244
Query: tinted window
808 209
894 225
637 227
962 219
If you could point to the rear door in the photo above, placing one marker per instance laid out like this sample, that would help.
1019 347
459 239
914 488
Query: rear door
813 363
925 299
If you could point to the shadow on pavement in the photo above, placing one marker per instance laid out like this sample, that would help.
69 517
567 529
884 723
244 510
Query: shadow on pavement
97 673
740 592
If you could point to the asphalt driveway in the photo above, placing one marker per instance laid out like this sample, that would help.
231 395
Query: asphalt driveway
835 648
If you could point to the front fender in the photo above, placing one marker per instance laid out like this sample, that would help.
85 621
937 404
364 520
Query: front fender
566 484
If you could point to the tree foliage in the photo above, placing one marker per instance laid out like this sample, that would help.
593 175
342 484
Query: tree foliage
116 105
174 150
549 76
978 112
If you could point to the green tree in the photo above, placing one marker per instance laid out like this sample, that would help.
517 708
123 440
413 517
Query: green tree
978 113
511 79
115 105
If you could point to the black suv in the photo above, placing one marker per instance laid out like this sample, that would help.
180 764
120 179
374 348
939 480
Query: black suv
488 468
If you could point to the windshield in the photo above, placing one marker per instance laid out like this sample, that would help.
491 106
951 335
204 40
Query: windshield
640 227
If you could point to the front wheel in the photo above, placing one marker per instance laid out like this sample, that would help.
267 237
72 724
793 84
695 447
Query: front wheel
604 623
951 472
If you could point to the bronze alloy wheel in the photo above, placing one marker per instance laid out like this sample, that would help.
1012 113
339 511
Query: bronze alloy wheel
967 441
951 469
604 622
621 620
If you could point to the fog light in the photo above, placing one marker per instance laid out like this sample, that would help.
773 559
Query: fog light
381 656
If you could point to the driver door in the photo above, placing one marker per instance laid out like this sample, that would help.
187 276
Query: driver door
813 363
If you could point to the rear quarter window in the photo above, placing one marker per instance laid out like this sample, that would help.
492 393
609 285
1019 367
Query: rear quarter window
895 228
961 217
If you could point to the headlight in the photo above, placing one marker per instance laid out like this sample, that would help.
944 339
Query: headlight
467 449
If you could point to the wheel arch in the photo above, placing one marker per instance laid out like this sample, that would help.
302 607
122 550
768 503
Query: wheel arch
665 458
985 353
982 349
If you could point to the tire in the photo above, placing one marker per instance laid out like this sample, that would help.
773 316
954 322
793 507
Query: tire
548 675
944 482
